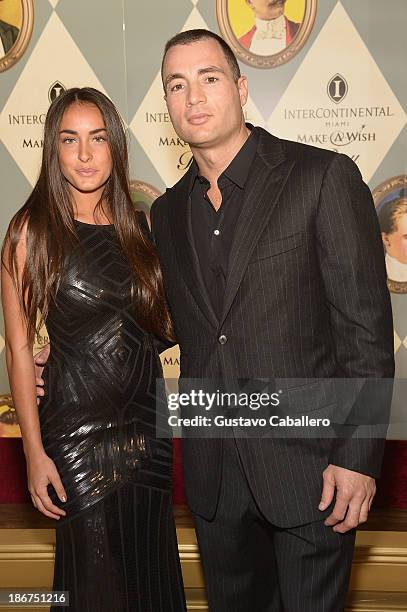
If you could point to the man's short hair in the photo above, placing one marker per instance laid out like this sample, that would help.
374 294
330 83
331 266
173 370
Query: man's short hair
390 213
191 36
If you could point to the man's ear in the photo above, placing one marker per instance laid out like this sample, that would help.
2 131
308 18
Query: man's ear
386 240
243 87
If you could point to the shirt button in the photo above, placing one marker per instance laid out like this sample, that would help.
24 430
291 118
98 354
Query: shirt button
222 339
216 232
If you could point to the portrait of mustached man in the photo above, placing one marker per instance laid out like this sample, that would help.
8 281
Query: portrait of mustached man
272 31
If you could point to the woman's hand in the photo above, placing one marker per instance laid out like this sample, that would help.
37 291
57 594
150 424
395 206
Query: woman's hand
41 472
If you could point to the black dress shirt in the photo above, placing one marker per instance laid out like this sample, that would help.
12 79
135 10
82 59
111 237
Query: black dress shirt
213 230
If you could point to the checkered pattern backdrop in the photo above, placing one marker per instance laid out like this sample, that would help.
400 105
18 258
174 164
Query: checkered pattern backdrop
117 47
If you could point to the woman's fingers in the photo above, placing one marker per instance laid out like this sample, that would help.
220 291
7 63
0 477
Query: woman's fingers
40 506
43 472
58 486
46 503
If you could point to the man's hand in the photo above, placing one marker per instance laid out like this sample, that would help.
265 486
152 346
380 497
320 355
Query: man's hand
354 496
40 359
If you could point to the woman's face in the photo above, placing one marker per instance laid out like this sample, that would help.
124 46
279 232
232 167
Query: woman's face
396 242
83 150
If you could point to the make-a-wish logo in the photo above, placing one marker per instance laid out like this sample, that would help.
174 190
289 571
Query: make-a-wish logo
55 91
337 88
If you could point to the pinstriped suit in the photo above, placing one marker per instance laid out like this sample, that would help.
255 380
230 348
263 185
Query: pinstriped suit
305 297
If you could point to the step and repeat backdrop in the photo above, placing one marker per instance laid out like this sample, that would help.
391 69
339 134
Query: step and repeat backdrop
324 72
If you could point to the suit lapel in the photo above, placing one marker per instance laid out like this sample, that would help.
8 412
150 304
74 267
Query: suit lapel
180 221
266 180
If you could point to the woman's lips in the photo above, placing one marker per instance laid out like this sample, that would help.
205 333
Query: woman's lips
86 171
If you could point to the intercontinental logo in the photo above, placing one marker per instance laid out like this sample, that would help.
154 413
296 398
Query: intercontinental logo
341 108
337 88
34 119
338 127
55 91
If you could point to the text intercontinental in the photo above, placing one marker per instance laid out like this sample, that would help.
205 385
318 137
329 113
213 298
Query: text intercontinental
341 113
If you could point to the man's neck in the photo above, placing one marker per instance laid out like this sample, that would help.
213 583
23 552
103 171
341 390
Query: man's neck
213 161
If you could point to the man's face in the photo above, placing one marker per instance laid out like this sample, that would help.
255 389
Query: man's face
203 100
267 9
396 242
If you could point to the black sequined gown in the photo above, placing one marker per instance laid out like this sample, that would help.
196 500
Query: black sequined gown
116 550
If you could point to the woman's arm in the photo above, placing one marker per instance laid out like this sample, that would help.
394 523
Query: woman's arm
41 470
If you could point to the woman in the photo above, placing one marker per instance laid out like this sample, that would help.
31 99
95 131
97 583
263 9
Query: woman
76 252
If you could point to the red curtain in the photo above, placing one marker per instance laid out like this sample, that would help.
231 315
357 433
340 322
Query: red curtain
392 487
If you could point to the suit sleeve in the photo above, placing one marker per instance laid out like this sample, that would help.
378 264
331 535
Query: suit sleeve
160 343
353 269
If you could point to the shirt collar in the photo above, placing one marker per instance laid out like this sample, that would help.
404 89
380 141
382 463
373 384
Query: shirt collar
239 167
270 24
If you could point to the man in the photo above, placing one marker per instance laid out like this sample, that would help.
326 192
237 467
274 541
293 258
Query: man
272 31
273 267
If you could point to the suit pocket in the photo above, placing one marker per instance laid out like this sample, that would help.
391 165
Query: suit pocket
312 395
272 247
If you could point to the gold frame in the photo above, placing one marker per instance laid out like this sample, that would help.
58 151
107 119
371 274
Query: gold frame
18 49
266 61
380 192
146 188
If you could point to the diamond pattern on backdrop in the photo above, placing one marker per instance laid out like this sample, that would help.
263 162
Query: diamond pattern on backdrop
252 113
21 121
82 49
398 303
397 342
153 128
146 32
103 21
333 104
382 25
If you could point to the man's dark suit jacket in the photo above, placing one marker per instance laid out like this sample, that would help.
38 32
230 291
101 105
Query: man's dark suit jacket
8 35
306 297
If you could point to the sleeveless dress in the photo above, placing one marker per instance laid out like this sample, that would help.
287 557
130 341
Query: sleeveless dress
116 550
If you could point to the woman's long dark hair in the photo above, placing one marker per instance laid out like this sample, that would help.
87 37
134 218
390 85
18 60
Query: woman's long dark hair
49 216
